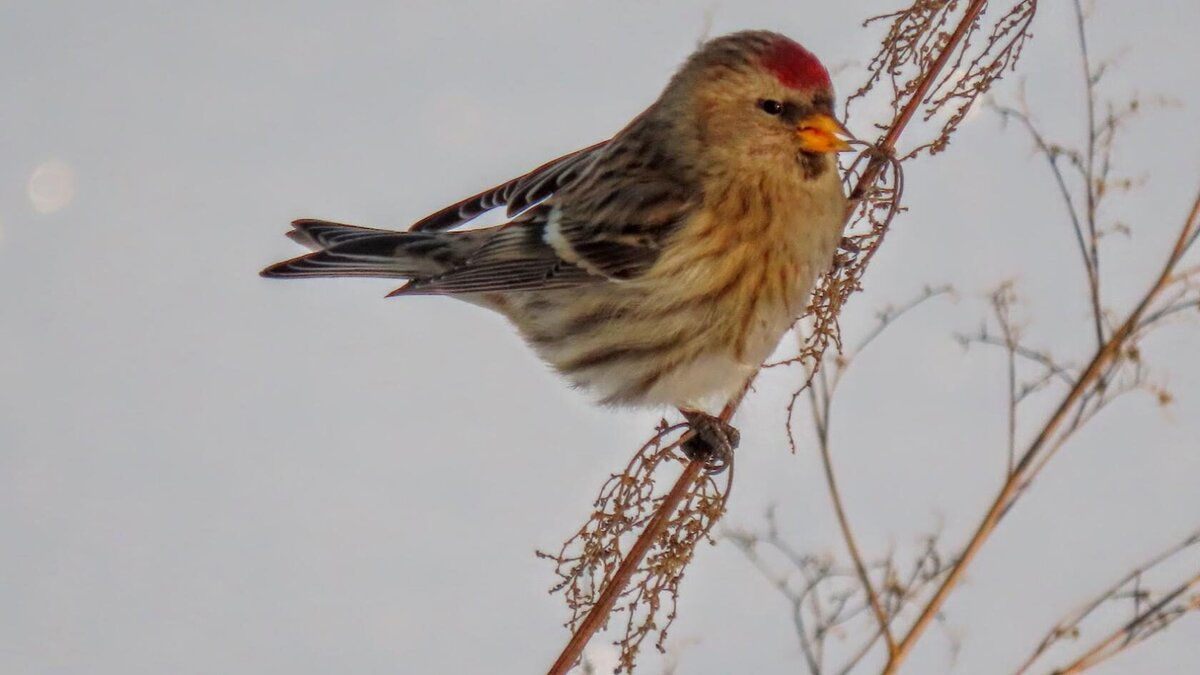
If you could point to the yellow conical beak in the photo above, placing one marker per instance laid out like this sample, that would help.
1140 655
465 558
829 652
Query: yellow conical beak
822 133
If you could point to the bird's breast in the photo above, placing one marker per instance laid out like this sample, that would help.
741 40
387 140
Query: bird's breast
726 287
752 254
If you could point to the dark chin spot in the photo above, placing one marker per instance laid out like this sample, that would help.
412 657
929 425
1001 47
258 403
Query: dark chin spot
812 164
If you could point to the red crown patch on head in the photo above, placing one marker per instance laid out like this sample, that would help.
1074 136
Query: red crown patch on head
795 67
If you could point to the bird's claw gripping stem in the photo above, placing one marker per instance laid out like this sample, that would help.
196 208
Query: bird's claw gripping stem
713 440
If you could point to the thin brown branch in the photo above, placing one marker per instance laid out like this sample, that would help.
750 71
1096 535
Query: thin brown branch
1150 621
1105 356
746 544
887 316
881 616
820 399
1169 310
598 616
1002 302
1053 368
1052 152
1070 624
884 318
1091 190
632 492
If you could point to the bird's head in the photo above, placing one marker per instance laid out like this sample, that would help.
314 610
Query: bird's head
754 100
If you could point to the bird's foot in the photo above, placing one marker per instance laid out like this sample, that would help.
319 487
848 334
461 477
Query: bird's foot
713 440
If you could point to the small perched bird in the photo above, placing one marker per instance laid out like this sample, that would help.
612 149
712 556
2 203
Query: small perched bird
659 267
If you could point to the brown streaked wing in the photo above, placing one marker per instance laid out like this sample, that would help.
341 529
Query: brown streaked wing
516 258
619 227
517 194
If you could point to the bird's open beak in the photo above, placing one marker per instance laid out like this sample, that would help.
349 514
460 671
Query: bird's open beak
822 133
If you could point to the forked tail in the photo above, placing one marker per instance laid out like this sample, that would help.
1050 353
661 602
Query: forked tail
341 250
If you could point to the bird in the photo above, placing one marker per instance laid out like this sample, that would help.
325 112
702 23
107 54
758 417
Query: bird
660 267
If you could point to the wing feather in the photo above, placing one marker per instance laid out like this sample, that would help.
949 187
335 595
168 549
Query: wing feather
618 227
517 194
515 258
603 213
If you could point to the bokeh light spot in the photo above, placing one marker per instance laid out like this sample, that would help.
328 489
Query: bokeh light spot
51 186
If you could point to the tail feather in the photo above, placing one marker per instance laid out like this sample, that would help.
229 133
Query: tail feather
323 234
341 250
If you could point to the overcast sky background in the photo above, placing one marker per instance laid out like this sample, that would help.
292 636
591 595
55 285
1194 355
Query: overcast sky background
202 471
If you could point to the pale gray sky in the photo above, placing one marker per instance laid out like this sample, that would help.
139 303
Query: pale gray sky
202 471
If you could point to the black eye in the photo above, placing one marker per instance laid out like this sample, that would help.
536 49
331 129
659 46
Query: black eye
771 106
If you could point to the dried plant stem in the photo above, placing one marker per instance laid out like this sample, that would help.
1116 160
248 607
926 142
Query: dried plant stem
604 604
1070 624
882 154
1026 469
835 496
964 25
598 615
866 180
1137 629
1091 253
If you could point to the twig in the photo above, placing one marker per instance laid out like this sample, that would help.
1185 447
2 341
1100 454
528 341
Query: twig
1052 153
844 523
1071 623
1090 77
1153 619
598 616
1022 474
1053 369
1002 302
820 399
745 543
